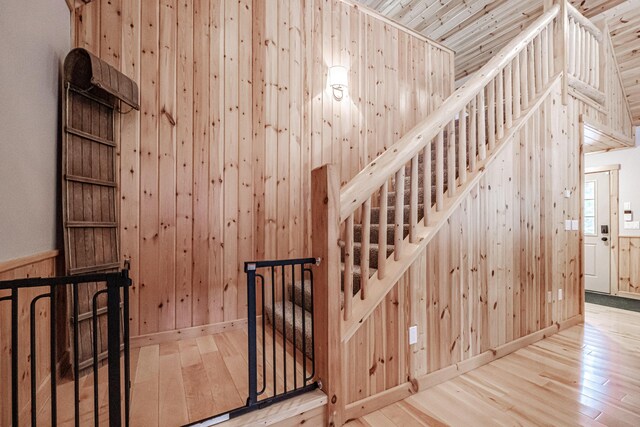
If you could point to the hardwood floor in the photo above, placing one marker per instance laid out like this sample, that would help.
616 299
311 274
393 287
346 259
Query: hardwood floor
585 375
179 382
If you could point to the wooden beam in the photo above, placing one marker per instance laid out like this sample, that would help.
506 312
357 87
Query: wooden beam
586 89
325 193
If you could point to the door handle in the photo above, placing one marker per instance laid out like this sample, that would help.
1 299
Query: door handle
604 239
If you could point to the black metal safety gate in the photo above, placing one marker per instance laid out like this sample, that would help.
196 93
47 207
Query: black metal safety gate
282 278
115 283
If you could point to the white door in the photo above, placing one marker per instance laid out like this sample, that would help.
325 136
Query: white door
597 244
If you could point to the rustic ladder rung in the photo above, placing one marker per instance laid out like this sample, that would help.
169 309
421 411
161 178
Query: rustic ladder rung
94 268
86 180
86 135
90 224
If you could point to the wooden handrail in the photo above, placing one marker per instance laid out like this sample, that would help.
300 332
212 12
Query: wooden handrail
584 21
373 176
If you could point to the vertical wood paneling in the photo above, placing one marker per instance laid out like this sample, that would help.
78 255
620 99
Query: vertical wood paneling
214 163
130 161
203 295
167 165
150 286
215 167
231 147
184 165
245 152
629 265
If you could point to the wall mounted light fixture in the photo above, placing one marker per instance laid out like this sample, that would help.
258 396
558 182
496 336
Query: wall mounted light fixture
338 82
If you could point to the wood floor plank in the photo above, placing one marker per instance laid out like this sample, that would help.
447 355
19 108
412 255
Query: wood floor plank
173 410
224 392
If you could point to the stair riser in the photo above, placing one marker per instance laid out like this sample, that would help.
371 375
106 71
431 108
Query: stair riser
375 233
296 295
284 325
357 282
391 199
375 214
373 255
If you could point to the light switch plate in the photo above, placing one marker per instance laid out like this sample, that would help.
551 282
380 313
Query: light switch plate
413 335
575 225
567 225
627 206
567 194
559 294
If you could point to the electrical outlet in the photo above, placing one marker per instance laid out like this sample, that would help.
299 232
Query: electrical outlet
567 225
549 297
559 294
413 335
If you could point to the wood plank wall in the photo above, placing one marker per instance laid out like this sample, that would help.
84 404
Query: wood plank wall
215 168
483 281
39 266
617 102
629 267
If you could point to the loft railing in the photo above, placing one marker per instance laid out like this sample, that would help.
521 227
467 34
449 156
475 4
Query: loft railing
585 61
118 332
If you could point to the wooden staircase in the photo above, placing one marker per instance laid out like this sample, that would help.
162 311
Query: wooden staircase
371 231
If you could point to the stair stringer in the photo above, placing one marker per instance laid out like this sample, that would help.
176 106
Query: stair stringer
379 288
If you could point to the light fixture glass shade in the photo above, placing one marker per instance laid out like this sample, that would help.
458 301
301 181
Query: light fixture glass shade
338 81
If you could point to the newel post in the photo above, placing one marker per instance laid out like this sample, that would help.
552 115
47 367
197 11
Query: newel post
325 208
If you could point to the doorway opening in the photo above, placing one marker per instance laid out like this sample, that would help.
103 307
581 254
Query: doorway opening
600 228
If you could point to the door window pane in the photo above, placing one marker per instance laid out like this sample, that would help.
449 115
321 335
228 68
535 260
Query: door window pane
590 190
589 225
590 208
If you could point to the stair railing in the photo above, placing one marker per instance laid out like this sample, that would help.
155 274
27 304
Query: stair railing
460 136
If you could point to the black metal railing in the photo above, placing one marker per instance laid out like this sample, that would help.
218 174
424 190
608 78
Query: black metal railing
115 283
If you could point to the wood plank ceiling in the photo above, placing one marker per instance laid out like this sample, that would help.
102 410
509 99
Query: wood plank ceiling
478 29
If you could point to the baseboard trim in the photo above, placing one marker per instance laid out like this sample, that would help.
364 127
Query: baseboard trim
365 406
630 295
12 264
192 332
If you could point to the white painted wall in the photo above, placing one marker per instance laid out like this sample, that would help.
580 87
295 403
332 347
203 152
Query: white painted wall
35 37
629 161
